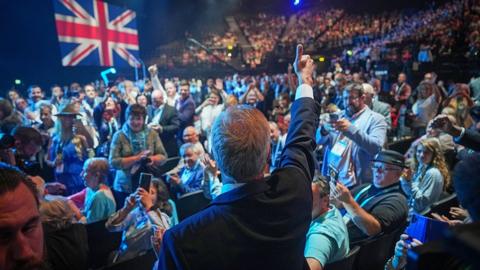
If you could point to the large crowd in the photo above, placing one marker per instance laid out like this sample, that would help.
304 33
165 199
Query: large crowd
400 35
298 167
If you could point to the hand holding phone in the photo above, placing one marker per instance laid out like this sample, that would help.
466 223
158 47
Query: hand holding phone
145 180
333 117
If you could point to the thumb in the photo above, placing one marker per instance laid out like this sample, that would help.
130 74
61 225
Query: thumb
299 54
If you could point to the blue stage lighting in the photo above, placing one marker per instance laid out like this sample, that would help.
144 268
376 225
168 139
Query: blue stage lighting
296 2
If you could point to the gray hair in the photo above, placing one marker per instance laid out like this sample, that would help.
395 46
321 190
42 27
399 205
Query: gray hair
240 142
56 213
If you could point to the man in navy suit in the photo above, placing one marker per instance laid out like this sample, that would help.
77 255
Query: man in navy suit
185 106
257 222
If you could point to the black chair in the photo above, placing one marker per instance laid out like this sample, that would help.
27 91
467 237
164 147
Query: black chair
101 243
345 263
442 207
191 203
375 252
168 165
142 262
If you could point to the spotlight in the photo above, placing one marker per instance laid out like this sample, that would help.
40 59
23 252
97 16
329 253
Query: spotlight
296 2
18 81
350 52
321 59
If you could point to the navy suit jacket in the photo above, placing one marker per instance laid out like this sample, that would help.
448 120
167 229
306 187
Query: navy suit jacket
470 139
260 225
171 124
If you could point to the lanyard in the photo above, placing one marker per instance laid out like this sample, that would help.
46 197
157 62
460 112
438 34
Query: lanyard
347 217
365 202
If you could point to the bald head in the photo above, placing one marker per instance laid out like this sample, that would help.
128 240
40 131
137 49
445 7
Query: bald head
157 98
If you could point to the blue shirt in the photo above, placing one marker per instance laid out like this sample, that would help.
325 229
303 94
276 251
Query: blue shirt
327 238
99 204
368 133
191 179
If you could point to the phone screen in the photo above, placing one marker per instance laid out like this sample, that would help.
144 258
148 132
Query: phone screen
333 172
333 117
145 180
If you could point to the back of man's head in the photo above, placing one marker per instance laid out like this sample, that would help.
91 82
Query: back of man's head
240 140
467 186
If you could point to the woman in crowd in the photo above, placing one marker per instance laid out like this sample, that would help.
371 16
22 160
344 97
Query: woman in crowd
106 117
426 106
209 110
65 239
96 200
68 151
135 148
143 212
142 99
429 177
461 103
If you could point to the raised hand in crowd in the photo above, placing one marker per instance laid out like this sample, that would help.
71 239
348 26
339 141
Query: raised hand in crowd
443 123
399 259
341 193
342 125
144 198
303 66
130 202
210 165
153 70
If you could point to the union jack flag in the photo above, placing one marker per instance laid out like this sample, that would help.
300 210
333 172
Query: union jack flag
92 32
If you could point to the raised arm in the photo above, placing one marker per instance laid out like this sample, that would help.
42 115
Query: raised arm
157 85
300 143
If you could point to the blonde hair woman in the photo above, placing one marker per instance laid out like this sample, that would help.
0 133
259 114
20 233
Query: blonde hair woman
428 177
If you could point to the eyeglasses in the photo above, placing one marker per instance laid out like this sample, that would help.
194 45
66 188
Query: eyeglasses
384 168
351 98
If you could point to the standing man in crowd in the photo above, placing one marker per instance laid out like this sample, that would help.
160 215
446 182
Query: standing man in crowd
164 120
401 92
264 221
371 99
185 107
359 135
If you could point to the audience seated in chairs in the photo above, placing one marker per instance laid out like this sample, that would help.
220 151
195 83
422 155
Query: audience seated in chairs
143 211
378 207
327 238
190 177
96 200
428 178
468 195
